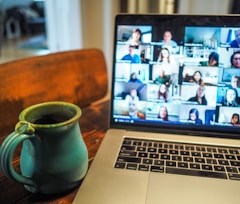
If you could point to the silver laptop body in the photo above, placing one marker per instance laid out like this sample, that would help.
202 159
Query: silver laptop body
174 122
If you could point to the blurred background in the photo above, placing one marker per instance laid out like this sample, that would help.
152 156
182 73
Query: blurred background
37 27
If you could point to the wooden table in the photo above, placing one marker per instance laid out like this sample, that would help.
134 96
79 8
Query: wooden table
93 124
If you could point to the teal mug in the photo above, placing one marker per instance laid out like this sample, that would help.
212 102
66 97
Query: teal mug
54 156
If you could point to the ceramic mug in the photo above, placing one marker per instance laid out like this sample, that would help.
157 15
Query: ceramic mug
54 157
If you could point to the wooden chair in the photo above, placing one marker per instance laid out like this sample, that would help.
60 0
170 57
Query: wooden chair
78 76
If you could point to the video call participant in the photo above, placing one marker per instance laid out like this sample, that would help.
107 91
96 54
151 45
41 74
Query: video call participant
199 98
132 96
235 59
236 42
162 78
197 78
168 42
230 98
133 111
167 62
163 93
194 117
235 82
135 38
163 113
131 56
235 119
213 60
134 79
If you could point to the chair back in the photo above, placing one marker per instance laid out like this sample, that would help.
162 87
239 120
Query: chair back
78 76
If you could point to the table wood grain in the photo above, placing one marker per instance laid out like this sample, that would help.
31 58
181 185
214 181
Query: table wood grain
94 123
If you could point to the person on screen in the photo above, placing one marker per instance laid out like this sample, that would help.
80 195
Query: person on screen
168 63
235 59
143 57
162 78
132 96
194 117
133 111
168 42
236 42
231 98
134 79
135 38
235 82
213 60
131 56
197 78
163 113
163 93
235 119
199 98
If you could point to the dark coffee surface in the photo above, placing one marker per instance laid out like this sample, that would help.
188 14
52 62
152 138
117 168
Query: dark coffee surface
51 118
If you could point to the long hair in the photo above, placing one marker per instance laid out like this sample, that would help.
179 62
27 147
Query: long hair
235 102
161 94
195 111
137 30
200 80
237 115
160 57
214 56
204 100
166 117
237 52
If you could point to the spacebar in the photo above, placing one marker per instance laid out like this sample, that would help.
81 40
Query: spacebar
191 172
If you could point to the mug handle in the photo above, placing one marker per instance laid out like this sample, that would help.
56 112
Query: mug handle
23 131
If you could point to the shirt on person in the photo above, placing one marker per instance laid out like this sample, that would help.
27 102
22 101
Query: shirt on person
134 59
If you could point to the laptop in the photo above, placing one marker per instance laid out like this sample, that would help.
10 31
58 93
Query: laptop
174 132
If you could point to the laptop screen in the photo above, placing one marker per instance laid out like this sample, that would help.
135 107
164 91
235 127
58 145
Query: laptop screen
177 73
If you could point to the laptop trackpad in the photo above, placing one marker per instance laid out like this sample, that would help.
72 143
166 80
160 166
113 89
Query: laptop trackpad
175 189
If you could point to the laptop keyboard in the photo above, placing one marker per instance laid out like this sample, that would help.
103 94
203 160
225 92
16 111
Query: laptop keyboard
179 158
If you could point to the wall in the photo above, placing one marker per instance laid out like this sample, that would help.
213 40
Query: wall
64 25
150 6
204 6
81 24
98 24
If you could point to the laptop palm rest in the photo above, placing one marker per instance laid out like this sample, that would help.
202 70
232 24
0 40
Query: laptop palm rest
176 189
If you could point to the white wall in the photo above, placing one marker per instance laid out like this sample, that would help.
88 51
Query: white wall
204 6
81 24
98 22
64 25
